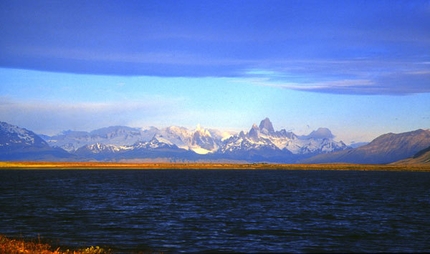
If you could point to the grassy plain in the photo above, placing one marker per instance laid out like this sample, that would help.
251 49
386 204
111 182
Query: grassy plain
214 165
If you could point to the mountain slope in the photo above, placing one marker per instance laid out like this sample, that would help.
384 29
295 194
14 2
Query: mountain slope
20 144
384 149
422 157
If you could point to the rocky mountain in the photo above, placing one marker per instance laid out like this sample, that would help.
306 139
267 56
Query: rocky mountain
20 144
261 143
264 143
156 148
114 135
384 149
200 140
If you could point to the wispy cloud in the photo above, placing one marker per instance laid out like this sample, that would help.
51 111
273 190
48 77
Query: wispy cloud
359 76
48 117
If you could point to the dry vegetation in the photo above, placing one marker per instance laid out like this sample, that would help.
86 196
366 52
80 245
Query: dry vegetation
221 166
20 246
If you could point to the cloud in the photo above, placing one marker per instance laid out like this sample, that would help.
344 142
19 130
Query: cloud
50 117
360 76
224 39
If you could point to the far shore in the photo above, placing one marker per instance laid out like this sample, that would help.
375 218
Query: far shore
28 165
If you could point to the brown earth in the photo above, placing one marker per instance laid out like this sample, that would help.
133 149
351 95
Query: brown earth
202 166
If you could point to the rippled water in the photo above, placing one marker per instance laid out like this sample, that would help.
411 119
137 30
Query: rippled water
220 210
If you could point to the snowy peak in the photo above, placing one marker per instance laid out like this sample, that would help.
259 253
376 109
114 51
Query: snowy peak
264 136
254 133
266 126
203 142
113 135
20 144
157 142
202 131
13 136
98 148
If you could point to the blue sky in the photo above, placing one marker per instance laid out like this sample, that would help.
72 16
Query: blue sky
360 68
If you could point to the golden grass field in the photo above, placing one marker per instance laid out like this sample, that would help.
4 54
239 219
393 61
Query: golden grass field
20 246
202 166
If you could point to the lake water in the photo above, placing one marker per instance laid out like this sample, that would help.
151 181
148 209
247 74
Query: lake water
219 210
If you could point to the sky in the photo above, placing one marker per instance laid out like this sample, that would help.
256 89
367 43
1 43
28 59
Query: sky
359 68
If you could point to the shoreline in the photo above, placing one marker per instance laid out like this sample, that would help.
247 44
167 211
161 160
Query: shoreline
29 165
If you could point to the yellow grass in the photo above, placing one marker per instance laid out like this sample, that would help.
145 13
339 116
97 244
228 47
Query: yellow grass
14 246
164 165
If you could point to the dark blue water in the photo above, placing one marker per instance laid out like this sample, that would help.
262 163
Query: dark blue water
216 210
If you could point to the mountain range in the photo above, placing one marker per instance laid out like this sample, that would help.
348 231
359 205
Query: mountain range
262 143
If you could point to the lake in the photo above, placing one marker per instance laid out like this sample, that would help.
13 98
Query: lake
219 210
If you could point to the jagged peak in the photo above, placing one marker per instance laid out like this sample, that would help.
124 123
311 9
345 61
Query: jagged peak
266 126
254 133
202 131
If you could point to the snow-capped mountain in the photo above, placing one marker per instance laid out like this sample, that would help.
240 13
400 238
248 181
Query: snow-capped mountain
100 148
204 142
21 144
158 147
200 140
264 135
157 142
12 137
114 135
263 143
260 143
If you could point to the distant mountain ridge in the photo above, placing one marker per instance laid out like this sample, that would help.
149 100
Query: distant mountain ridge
386 148
277 146
261 143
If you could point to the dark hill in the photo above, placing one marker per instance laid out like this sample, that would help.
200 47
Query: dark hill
422 157
384 149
